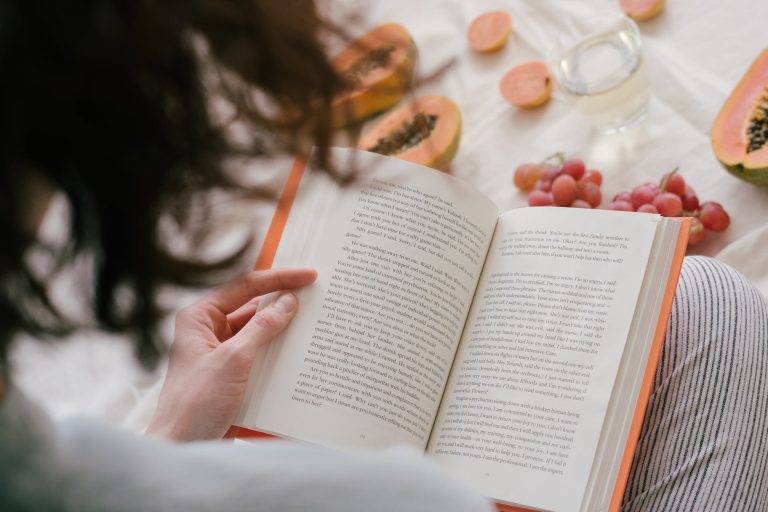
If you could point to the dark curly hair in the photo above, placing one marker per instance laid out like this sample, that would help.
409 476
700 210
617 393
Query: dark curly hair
108 102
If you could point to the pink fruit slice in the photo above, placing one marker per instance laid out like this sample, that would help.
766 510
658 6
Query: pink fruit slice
527 85
641 10
489 31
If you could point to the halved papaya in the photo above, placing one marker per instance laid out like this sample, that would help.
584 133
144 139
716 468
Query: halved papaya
740 131
378 68
425 132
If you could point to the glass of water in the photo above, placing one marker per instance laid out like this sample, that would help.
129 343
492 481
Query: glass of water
598 65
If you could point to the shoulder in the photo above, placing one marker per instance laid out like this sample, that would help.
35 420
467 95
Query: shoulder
28 453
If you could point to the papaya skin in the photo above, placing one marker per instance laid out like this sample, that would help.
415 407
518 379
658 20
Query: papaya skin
442 161
380 88
757 176
728 135
436 150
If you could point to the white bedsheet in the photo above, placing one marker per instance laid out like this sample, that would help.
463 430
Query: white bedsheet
696 50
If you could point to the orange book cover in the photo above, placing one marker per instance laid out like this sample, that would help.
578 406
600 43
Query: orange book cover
267 255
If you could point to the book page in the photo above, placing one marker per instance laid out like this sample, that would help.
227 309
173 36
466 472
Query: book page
399 253
525 404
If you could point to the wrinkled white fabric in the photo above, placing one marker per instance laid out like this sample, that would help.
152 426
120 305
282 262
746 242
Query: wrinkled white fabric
696 50
84 465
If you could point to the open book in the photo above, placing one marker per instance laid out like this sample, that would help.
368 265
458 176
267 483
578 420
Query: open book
516 350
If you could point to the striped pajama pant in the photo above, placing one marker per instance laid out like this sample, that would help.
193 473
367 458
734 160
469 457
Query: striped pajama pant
704 441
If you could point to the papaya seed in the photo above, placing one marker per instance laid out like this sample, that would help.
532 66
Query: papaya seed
757 130
376 58
407 136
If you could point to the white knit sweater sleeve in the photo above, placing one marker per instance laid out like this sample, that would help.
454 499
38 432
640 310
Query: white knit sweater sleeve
83 465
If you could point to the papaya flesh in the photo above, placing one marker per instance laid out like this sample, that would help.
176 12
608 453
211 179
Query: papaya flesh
425 132
377 69
740 131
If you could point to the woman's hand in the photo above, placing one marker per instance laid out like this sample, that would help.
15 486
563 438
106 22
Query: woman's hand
214 347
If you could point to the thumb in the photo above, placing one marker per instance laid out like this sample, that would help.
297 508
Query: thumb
267 323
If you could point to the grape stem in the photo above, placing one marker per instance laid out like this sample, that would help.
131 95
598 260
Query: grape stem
559 156
666 179
696 229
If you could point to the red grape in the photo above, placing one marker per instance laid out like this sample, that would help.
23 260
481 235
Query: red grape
594 176
526 176
550 170
642 194
653 186
539 198
668 204
564 190
675 183
690 200
624 206
713 216
543 184
624 196
590 193
574 167
647 208
580 203
698 232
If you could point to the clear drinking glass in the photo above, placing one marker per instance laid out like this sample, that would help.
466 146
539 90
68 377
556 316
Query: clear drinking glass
598 65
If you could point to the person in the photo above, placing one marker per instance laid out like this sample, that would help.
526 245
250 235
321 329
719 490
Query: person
106 102
123 108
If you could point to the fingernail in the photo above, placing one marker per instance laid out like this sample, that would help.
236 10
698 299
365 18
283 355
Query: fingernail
286 302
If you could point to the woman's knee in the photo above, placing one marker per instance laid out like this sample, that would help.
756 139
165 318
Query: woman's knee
718 315
710 293
706 420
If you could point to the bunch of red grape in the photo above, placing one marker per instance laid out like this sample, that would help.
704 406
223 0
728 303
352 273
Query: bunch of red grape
672 197
565 183
559 182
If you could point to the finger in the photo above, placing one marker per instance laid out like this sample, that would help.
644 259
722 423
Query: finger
240 317
267 323
231 296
